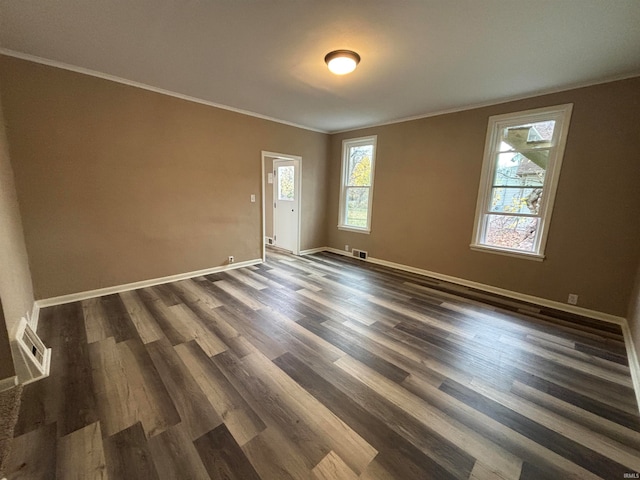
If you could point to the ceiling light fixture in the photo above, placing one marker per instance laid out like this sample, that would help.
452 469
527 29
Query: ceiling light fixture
342 62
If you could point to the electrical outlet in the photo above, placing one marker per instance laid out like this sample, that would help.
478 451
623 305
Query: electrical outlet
573 299
231 259
346 248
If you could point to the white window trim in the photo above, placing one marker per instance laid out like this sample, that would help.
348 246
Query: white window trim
346 144
562 115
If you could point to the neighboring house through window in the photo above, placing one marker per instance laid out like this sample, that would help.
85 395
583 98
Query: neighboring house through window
356 192
522 160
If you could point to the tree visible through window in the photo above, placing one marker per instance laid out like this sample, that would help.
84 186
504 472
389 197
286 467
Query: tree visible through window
285 183
357 183
522 163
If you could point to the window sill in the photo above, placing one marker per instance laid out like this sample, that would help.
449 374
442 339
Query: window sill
366 231
509 253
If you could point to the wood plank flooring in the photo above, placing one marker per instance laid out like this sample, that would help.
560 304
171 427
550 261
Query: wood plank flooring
325 367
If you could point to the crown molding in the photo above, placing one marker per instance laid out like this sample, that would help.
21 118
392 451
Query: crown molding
144 86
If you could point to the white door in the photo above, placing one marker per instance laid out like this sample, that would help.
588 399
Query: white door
286 194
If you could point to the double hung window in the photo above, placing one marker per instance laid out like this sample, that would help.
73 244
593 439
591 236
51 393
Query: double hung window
522 161
356 192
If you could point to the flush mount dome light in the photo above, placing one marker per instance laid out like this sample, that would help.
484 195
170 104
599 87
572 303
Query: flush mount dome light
342 62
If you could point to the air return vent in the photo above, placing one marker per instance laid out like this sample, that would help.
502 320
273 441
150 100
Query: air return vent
32 359
361 254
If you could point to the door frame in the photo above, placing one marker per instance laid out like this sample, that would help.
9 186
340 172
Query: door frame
270 156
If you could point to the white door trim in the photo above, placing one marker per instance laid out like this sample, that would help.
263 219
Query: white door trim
266 155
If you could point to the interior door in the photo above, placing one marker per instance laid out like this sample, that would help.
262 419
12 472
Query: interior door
286 204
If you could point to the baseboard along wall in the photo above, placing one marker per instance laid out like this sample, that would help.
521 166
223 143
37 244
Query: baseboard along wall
75 297
7 383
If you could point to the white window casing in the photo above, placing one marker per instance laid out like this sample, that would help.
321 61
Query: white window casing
520 228
356 198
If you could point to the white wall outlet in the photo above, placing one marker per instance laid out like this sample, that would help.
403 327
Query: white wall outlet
253 198
231 260
346 248
573 299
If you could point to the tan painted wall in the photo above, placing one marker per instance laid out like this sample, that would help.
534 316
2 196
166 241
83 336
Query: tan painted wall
426 187
16 292
118 184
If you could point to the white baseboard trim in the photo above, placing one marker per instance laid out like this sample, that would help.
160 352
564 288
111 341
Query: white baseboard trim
35 316
311 251
634 362
543 302
7 383
338 252
74 297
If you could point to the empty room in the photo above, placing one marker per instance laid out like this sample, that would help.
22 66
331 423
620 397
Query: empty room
320 239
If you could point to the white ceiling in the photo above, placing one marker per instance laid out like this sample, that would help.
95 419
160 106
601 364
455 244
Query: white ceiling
266 56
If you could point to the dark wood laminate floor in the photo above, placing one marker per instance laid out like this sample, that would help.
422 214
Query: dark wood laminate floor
325 367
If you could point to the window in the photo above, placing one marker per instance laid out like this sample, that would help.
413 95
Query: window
522 160
285 183
356 193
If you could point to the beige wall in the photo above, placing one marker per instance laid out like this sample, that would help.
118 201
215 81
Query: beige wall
118 184
426 186
16 293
